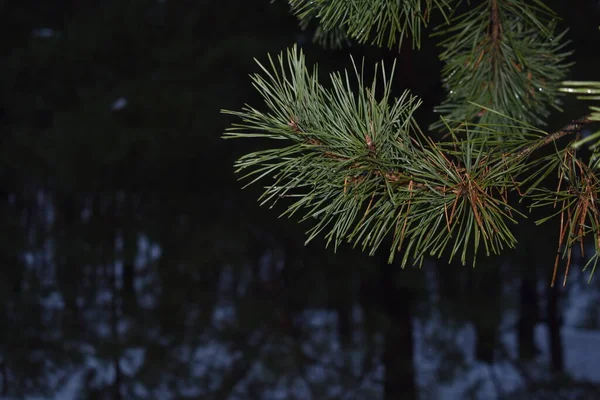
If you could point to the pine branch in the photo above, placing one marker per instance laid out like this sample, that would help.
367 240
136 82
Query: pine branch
590 91
495 27
578 187
379 22
503 55
362 169
574 127
577 195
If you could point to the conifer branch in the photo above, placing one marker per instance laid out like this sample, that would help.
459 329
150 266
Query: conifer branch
379 22
574 127
361 170
588 91
495 25
503 55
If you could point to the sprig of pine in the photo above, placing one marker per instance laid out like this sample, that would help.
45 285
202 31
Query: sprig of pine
379 22
505 55
362 170
587 91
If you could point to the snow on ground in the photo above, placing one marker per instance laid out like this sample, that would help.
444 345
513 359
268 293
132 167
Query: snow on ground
582 350
582 357
582 362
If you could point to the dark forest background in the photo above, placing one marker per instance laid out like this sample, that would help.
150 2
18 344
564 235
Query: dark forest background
133 266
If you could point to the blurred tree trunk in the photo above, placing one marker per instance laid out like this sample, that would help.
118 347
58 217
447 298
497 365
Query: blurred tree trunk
130 251
3 379
528 314
486 339
529 308
343 309
68 270
340 278
475 295
398 352
485 286
292 277
174 289
554 324
116 346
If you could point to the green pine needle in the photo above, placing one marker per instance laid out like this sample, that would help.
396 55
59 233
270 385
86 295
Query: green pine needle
379 22
506 58
360 170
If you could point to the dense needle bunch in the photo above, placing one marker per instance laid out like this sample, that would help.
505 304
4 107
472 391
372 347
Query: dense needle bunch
503 54
380 22
355 163
362 169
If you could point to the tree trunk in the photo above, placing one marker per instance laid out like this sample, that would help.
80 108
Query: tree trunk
554 324
529 307
114 311
398 356
293 302
486 309
340 297
486 339
130 252
68 268
528 317
3 379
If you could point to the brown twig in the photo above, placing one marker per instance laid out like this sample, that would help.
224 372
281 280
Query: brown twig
495 24
573 128
400 178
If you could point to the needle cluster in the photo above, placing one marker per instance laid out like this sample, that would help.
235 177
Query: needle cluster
378 22
354 162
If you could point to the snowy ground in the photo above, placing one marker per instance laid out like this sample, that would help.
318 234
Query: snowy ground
582 361
582 358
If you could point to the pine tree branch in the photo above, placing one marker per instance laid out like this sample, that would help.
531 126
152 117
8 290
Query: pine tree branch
495 24
361 170
398 176
503 55
380 22
574 127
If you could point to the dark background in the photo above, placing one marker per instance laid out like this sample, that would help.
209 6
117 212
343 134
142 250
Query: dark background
133 265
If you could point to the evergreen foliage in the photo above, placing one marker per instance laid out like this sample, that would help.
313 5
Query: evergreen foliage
590 91
131 270
380 22
360 167
505 55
